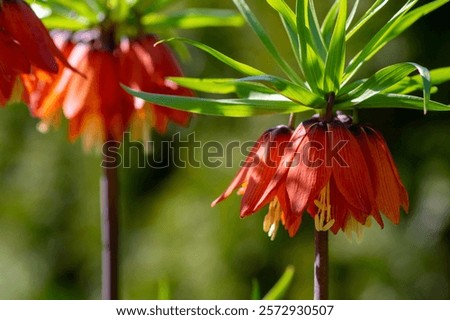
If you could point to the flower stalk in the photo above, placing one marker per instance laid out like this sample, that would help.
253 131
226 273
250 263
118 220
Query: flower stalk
109 190
321 265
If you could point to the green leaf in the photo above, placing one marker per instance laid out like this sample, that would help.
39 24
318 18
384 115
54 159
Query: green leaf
193 18
317 38
279 289
164 289
377 42
56 21
155 5
366 17
407 20
222 107
411 84
389 76
351 16
265 39
334 66
313 65
81 8
221 85
329 22
241 67
288 89
395 101
256 291
290 25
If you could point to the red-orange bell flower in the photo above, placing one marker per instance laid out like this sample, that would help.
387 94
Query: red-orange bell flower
144 67
96 106
24 42
255 175
339 173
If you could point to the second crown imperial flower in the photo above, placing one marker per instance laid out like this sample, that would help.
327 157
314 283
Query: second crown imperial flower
341 174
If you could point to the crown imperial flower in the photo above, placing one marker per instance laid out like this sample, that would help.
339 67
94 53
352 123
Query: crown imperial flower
95 104
341 174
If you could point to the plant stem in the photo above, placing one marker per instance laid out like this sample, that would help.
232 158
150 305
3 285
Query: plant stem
321 265
291 123
109 190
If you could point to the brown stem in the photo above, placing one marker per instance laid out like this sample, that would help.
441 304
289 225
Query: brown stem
291 123
328 116
109 190
321 265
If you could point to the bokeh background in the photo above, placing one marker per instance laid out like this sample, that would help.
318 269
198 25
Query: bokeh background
174 244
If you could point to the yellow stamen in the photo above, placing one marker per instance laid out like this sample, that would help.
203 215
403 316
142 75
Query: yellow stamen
241 190
352 225
272 218
322 220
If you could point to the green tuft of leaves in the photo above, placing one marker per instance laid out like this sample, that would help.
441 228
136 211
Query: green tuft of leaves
321 65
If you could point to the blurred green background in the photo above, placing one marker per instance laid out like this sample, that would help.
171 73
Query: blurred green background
171 238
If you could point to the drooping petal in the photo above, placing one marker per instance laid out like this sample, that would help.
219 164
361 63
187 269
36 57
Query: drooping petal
20 21
290 152
308 174
290 220
350 170
267 160
243 172
390 192
12 57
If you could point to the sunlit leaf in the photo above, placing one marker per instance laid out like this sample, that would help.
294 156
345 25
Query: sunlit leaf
220 85
288 89
414 83
313 65
388 77
290 24
81 8
334 66
279 289
394 101
193 18
239 66
316 35
222 107
351 16
256 291
329 22
376 42
56 21
265 39
366 17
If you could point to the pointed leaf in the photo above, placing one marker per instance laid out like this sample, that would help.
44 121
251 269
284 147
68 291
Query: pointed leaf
334 66
288 89
313 65
366 17
220 85
395 101
316 35
329 22
241 67
290 25
351 16
389 76
279 289
267 42
410 84
56 21
376 42
193 18
222 107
